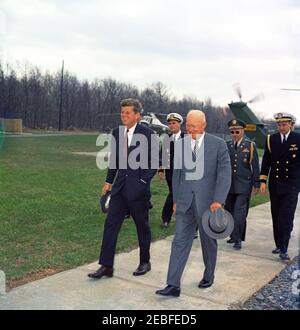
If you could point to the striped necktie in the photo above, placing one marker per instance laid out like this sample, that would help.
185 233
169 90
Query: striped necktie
194 152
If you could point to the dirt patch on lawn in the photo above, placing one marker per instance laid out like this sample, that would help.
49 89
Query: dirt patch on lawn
13 283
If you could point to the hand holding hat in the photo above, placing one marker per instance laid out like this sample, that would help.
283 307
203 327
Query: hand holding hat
218 224
105 197
106 187
104 202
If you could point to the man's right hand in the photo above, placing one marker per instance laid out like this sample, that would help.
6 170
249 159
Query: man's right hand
106 187
263 188
161 175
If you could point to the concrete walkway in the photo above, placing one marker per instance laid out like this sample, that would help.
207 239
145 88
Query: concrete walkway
239 274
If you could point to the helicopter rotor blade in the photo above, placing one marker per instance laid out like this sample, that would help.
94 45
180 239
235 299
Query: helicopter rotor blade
237 88
290 89
257 98
160 115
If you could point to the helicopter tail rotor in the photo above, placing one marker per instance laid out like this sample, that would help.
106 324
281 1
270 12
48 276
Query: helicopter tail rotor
257 98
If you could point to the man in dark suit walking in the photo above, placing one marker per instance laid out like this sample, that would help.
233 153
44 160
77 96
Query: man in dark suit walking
281 164
245 176
129 175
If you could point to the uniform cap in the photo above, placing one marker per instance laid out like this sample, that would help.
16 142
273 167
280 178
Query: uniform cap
236 124
283 116
175 116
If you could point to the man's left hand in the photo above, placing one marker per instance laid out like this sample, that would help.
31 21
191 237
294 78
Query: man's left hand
256 190
214 206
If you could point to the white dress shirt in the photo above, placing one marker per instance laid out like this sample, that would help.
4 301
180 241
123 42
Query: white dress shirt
286 136
176 136
199 142
238 142
130 133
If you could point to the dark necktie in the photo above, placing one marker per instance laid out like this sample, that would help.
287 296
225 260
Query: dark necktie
284 139
235 145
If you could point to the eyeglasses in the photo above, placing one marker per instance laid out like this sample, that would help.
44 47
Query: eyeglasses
235 132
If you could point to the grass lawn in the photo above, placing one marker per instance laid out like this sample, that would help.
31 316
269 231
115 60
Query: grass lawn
49 214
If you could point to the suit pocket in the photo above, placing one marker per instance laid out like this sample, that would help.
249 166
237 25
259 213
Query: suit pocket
136 189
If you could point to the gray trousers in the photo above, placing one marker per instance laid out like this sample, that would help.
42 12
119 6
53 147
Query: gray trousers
182 243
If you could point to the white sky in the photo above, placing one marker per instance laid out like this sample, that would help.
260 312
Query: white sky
197 48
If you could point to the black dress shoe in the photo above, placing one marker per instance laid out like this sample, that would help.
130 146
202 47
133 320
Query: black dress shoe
205 284
230 241
276 251
284 256
237 245
169 290
102 271
142 269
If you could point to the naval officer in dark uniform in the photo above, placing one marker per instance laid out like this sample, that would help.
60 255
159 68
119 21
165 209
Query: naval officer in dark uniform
245 177
281 164
167 162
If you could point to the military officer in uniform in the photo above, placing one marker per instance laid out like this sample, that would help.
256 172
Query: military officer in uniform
245 177
166 169
293 122
281 164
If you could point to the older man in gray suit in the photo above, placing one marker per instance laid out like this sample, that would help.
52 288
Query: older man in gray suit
196 189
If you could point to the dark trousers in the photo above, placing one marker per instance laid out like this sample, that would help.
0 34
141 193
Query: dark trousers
119 206
283 207
168 206
238 206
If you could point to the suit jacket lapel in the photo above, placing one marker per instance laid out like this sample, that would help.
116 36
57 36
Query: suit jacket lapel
206 146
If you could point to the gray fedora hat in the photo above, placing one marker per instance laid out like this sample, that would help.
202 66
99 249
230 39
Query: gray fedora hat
104 202
218 224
